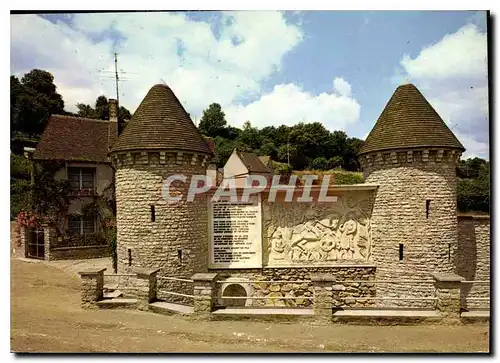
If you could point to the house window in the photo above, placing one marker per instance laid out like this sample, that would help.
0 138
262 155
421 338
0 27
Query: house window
81 179
79 225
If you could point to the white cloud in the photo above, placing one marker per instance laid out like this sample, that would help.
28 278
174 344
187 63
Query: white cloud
289 104
458 55
453 76
341 86
200 67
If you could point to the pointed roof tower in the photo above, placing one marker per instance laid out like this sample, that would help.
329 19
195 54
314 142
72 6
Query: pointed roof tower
160 122
409 121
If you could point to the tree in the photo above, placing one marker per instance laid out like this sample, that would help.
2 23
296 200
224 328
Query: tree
350 154
249 137
223 150
213 121
473 186
268 148
85 111
470 168
335 162
102 108
124 114
33 100
319 163
100 111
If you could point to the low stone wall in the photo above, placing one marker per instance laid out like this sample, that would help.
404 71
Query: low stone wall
17 240
473 259
78 253
300 285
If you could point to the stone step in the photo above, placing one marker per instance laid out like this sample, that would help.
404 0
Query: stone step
475 316
113 294
386 317
110 287
263 311
163 307
263 314
117 303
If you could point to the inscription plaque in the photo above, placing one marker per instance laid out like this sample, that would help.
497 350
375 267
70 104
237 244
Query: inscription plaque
236 233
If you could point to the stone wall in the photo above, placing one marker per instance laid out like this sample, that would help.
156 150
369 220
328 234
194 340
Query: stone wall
429 241
176 242
299 286
17 240
78 253
473 259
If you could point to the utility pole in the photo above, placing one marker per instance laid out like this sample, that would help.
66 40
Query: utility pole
116 78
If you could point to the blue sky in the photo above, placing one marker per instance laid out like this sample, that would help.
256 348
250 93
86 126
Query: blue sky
336 67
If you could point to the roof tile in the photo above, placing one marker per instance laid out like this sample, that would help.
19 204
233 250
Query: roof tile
409 121
161 122
76 139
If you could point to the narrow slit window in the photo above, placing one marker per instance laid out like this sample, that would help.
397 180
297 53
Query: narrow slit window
401 252
449 252
427 208
153 214
129 257
179 255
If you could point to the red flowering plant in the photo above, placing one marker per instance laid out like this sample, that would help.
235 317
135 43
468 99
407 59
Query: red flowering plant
27 219
32 220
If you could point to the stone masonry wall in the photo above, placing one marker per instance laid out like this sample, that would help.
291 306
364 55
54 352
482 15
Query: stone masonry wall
296 287
177 241
399 216
79 253
17 240
473 259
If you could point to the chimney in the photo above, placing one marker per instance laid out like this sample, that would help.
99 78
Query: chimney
113 110
113 115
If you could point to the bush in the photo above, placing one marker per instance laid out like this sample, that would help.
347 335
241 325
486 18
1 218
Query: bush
348 177
20 190
281 168
338 176
473 195
335 162
319 163
19 167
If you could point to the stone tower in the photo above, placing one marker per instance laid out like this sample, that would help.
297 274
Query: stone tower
412 155
160 140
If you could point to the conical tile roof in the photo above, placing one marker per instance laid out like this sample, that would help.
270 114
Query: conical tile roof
409 121
161 122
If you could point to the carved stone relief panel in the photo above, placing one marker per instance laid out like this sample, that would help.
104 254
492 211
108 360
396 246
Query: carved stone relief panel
318 233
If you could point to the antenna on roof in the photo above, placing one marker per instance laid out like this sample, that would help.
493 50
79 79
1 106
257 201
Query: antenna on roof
163 81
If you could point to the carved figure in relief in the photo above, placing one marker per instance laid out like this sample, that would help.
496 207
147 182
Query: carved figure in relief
316 233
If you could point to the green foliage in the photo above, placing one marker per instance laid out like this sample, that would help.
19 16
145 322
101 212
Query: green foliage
471 168
335 162
213 121
100 111
319 163
32 101
111 238
298 145
281 168
90 239
20 167
19 196
473 186
348 177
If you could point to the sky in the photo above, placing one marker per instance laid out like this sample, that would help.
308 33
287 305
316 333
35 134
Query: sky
272 68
